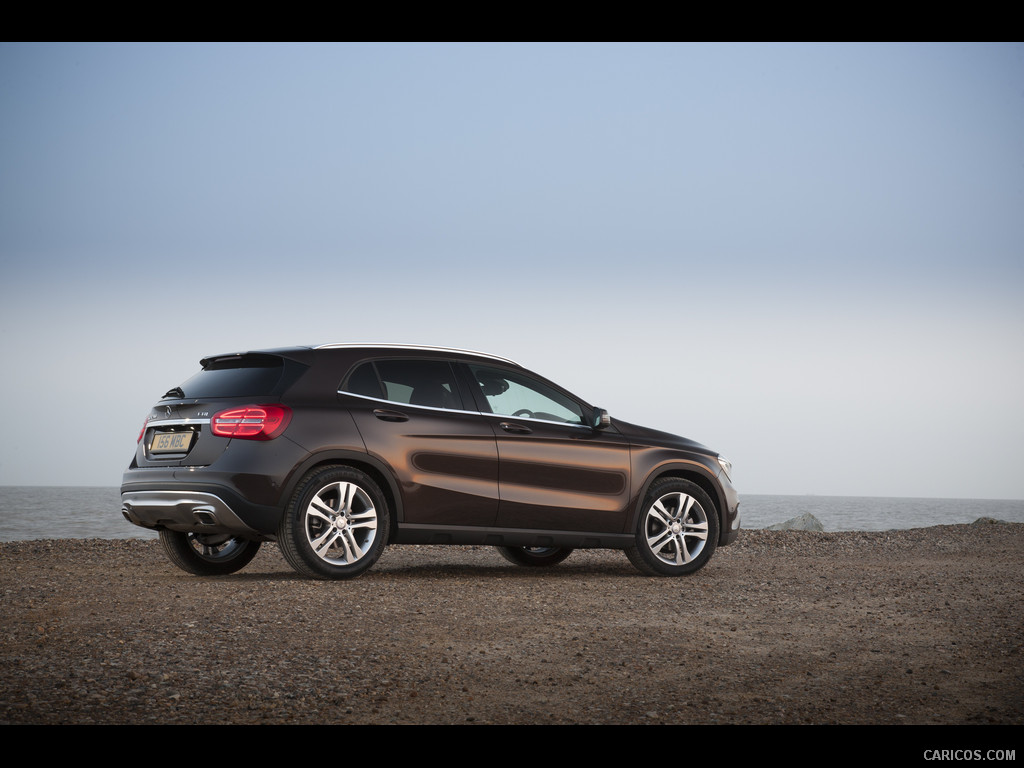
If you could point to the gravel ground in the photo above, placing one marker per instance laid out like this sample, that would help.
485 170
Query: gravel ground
919 626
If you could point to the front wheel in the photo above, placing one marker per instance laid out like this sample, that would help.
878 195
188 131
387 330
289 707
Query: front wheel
336 524
535 557
208 554
677 531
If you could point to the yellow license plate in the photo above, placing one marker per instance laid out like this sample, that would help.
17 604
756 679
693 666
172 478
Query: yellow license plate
171 442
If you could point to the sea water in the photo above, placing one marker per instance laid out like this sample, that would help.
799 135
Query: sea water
57 512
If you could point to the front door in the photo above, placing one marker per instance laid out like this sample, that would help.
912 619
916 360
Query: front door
555 471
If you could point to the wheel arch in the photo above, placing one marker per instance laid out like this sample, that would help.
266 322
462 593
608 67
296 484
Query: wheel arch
377 470
697 474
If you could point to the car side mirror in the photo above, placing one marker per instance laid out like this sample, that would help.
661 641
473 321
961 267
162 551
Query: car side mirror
600 419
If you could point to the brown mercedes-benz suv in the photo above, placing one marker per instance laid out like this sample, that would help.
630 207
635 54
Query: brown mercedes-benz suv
336 451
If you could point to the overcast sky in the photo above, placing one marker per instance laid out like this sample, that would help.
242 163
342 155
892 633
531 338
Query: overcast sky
809 257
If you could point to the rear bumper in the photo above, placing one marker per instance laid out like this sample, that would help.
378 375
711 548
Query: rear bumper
191 511
200 502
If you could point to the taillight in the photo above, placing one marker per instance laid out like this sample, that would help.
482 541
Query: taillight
143 432
252 422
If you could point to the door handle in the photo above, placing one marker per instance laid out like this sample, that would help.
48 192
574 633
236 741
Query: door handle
519 429
385 415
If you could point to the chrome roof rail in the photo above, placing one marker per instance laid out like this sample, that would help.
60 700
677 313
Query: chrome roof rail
417 347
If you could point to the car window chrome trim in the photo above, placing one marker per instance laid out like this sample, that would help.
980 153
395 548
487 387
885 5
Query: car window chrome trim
523 419
408 405
527 420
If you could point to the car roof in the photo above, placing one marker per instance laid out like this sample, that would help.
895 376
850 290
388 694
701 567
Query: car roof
417 348
301 353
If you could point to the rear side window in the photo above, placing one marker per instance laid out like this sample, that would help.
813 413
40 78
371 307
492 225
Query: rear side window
245 376
428 383
364 381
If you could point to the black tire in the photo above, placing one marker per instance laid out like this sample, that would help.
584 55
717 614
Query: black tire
336 524
677 531
208 554
535 557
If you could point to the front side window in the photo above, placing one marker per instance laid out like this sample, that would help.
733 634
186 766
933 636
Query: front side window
512 394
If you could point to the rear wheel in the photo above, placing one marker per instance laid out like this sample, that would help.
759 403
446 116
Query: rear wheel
535 557
208 554
677 531
336 524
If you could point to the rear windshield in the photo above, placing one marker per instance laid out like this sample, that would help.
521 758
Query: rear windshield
247 376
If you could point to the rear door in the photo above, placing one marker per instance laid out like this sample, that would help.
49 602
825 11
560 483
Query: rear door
412 416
